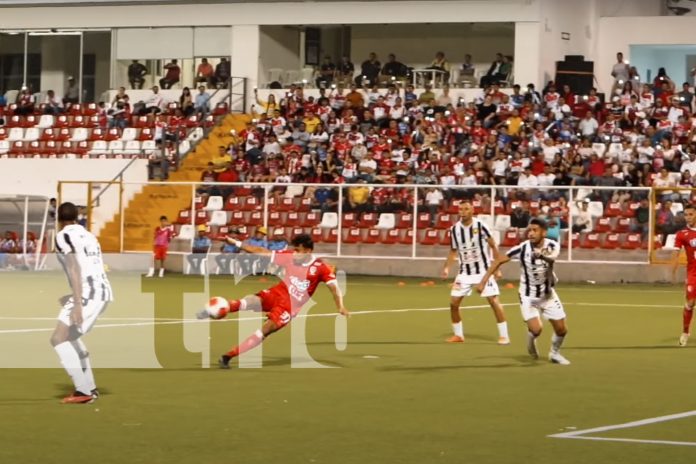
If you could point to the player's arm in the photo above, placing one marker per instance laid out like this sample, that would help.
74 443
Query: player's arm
549 253
72 269
248 248
497 263
451 256
496 254
338 297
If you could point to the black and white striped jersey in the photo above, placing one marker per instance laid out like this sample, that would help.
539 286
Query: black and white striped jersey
75 239
471 244
536 278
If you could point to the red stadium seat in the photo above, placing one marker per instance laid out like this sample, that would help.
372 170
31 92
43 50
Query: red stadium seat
446 239
75 109
237 218
198 203
233 203
140 121
332 237
3 133
275 219
305 205
431 237
220 109
92 121
63 134
623 225
657 241
392 237
575 239
478 206
613 209
534 207
373 236
404 221
220 233
511 238
297 231
349 220
591 241
112 134
280 232
18 149
14 121
255 219
354 235
453 207
97 134
423 221
146 134
632 242
61 121
499 207
251 204
77 121
603 225
611 241
292 219
367 220
91 109
444 221
317 235
512 205
311 220
29 121
202 217
631 210
184 217
407 238
286 204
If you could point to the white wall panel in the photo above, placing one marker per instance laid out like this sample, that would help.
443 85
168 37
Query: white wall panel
212 41
146 43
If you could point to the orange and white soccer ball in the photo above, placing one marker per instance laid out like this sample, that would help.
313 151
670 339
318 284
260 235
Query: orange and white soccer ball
216 305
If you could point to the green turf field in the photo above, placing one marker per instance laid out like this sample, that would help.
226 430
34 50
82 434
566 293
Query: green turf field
396 394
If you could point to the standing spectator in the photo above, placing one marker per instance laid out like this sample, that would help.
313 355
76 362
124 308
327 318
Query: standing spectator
433 201
205 73
222 73
199 252
136 74
582 219
172 76
369 71
164 234
72 92
620 71
158 160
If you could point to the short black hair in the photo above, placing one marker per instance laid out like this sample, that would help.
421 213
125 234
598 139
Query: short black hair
303 240
539 222
163 218
689 206
67 212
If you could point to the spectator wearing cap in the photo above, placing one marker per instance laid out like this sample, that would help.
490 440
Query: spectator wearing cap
199 251
252 264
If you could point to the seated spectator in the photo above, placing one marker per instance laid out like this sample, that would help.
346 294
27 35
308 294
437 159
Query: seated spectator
26 102
520 216
358 198
186 102
202 103
433 202
53 104
345 70
326 73
254 264
136 74
222 74
393 70
154 104
8 245
172 76
441 64
642 218
158 164
72 92
582 220
495 72
467 71
225 260
427 96
277 243
205 73
199 252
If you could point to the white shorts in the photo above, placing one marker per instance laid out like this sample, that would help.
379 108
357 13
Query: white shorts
91 309
550 306
464 286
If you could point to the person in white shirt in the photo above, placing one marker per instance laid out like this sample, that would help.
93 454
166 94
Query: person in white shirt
588 125
433 201
527 179
272 146
546 178
154 103
582 220
689 164
79 253
621 70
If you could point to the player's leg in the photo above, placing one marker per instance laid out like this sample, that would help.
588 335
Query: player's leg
492 294
251 342
530 315
153 268
90 312
248 303
688 313
70 359
554 312
161 265
456 318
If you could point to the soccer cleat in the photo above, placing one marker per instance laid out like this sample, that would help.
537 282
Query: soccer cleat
78 398
95 393
558 358
150 273
455 339
683 339
503 341
161 272
203 314
224 362
532 348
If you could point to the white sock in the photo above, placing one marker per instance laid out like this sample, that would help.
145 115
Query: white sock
71 362
502 329
530 338
85 363
151 272
458 329
242 305
556 342
161 273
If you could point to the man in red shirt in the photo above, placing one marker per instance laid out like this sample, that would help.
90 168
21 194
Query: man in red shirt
303 273
173 75
686 238
163 236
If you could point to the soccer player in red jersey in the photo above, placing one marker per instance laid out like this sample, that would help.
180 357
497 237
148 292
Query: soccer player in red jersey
686 238
163 236
303 273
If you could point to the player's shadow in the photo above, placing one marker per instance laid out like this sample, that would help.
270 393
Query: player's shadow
429 369
64 389
392 342
641 347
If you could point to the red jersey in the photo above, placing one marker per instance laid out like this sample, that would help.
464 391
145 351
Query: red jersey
164 235
300 280
686 238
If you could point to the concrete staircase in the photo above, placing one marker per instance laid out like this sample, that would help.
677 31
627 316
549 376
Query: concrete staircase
141 214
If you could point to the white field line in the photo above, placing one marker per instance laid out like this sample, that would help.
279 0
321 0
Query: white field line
172 321
582 434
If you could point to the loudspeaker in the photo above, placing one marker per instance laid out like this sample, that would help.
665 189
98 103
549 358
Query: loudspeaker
575 72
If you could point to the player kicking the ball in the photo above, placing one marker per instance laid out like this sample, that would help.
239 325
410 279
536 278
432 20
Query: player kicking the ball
537 293
686 238
473 244
80 254
303 273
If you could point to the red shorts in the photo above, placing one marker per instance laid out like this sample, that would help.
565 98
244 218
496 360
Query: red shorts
276 305
691 288
161 252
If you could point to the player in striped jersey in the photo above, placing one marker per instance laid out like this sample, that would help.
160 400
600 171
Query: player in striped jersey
473 244
80 255
537 282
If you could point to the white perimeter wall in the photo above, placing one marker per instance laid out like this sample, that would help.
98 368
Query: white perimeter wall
41 177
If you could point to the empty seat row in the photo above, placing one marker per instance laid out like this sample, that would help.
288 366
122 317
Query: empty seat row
75 134
99 148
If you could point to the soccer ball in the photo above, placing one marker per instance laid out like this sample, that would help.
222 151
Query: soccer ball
215 305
